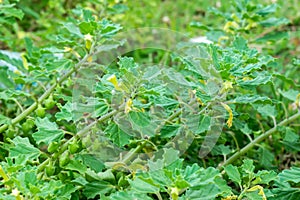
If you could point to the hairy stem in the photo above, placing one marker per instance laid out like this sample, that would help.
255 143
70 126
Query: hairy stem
259 139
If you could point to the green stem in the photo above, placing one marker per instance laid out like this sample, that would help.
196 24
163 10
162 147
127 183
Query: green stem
259 139
81 133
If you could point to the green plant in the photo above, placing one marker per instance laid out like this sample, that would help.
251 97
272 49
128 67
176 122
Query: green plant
199 121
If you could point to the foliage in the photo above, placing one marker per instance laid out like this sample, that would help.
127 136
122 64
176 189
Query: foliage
82 118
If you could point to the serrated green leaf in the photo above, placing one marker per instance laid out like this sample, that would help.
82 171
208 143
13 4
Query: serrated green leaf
267 110
266 157
92 162
140 119
47 131
251 99
290 175
143 186
233 174
66 112
261 79
202 192
122 195
23 148
274 36
290 135
267 10
169 131
285 194
240 43
118 136
265 177
76 165
92 189
72 28
290 94
11 12
273 21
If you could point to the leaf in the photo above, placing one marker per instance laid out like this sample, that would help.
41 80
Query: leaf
72 28
265 177
290 135
23 148
262 78
202 192
47 131
266 157
118 136
267 10
240 43
92 189
76 165
273 21
273 36
290 175
285 194
11 12
251 99
92 162
248 167
200 25
233 174
87 27
122 195
267 110
248 68
143 185
65 112
168 131
204 124
140 119
290 94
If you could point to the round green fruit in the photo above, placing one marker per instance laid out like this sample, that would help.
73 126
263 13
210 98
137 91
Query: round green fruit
10 132
73 147
50 170
53 146
49 103
27 125
64 159
40 111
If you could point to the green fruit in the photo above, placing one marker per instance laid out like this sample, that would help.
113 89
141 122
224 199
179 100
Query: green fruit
49 103
27 125
73 147
62 176
40 111
50 170
53 146
10 132
64 159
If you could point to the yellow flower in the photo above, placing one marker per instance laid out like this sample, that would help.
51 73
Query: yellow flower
230 26
24 60
226 86
3 174
261 191
230 119
67 49
88 41
128 106
114 81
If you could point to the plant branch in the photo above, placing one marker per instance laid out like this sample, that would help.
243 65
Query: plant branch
31 108
259 139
